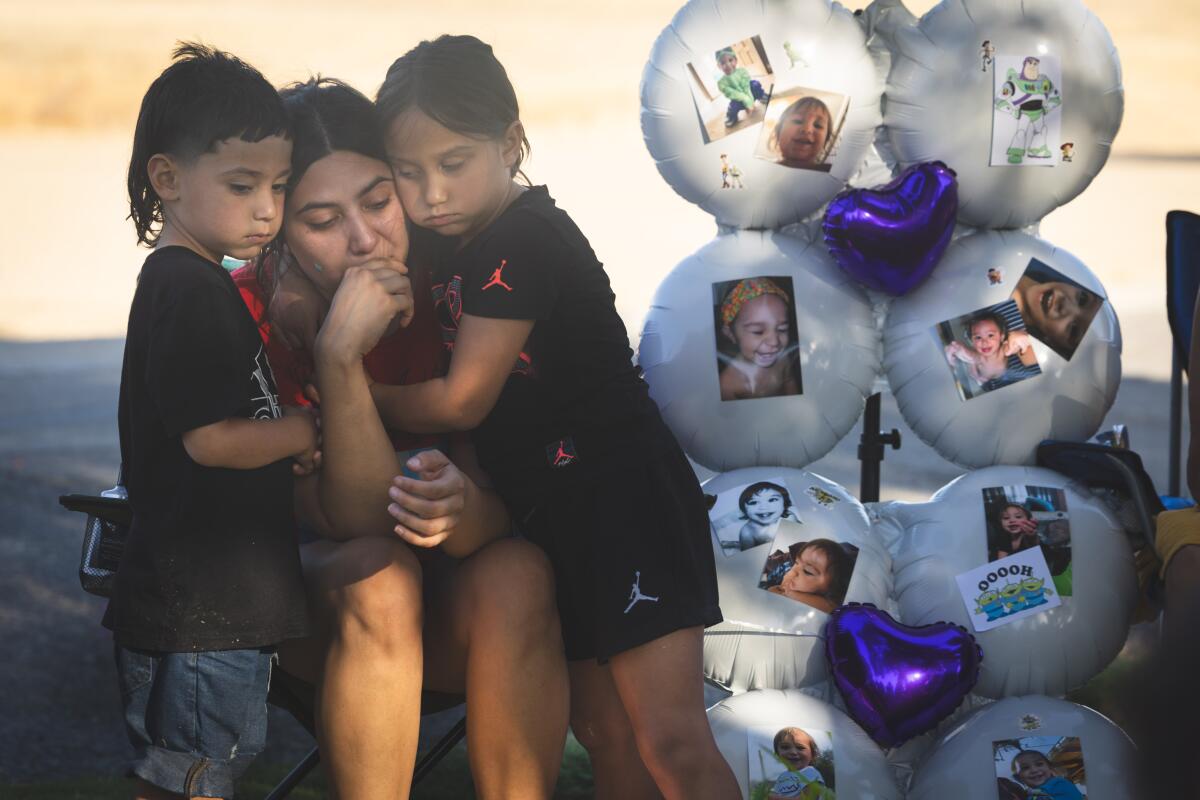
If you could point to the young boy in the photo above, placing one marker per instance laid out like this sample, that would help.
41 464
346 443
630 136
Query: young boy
743 91
210 579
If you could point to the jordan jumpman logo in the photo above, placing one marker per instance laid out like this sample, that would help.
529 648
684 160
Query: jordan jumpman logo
635 594
496 280
562 457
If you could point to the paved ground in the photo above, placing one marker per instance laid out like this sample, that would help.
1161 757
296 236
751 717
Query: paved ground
59 713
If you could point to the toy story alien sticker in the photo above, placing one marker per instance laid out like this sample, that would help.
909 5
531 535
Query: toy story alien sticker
1026 111
1008 589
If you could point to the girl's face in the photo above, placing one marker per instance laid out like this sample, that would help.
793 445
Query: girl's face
760 330
342 214
810 573
764 507
1012 519
802 135
1033 769
796 751
986 338
451 183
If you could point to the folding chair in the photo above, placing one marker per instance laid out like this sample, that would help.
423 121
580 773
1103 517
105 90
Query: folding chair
1183 281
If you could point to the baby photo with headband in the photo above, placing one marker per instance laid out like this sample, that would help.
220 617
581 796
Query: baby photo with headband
758 353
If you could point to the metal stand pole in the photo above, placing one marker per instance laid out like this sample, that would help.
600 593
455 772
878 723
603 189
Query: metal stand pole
1176 425
870 450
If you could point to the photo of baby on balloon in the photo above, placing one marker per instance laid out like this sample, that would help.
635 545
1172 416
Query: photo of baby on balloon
802 128
1057 311
987 349
1026 111
758 352
1039 767
790 762
731 88
815 572
1021 517
752 515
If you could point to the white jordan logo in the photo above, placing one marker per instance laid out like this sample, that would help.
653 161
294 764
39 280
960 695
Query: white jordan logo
635 594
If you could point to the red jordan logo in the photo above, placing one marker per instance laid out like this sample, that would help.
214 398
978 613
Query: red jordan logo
562 457
561 453
496 280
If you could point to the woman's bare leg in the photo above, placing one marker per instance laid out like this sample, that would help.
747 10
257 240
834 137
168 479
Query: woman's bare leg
603 728
493 629
366 660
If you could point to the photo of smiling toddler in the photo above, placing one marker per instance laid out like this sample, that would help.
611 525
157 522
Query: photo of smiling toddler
1048 767
758 351
802 128
790 763
753 515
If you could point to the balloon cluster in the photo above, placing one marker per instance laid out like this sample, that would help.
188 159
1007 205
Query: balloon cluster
877 180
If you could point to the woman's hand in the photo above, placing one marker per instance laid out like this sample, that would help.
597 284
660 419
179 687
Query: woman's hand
428 510
367 300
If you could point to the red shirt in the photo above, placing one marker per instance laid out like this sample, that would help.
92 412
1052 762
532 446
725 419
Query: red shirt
409 355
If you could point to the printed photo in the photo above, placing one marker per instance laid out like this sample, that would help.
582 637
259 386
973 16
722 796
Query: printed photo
1039 767
987 349
1056 310
731 89
802 128
1021 517
791 762
758 349
752 515
815 572
1026 111
1008 589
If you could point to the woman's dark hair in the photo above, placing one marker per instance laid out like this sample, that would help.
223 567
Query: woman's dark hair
840 563
205 97
457 82
763 486
994 317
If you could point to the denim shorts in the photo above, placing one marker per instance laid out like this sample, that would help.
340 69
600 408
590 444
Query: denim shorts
196 720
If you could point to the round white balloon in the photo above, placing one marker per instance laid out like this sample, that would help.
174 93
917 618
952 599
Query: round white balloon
980 84
792 49
745 726
1076 746
960 529
759 518
831 352
1061 308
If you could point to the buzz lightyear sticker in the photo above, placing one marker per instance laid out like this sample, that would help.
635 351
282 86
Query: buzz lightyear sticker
1026 111
1008 589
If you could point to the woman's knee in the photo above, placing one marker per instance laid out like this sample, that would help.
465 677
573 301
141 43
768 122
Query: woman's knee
522 573
374 586
603 729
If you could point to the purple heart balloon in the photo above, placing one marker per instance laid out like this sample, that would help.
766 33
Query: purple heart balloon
898 681
891 237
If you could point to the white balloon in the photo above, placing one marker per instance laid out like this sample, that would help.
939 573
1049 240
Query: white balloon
1067 401
808 43
940 101
838 355
964 764
1051 652
771 641
862 772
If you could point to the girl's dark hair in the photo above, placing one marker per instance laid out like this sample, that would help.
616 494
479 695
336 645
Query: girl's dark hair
457 82
763 486
839 559
205 97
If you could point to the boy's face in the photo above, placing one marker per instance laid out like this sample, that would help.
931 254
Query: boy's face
727 63
229 202
802 135
796 752
1033 770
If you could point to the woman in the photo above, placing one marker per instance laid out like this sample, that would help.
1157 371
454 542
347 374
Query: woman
384 616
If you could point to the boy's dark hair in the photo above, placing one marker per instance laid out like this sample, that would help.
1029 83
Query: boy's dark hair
840 560
457 82
203 98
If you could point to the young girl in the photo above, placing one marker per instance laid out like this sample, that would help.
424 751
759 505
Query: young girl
755 319
541 371
995 356
818 574
796 748
802 134
1019 527
1032 768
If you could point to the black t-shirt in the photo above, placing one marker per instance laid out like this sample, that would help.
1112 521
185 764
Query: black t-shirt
574 396
211 561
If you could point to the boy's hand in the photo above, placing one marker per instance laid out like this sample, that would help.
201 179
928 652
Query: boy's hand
295 311
308 455
428 509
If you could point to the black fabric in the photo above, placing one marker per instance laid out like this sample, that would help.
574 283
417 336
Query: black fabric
211 561
576 379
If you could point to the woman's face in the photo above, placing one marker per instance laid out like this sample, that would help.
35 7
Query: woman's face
1013 519
796 752
760 330
810 573
986 338
1033 769
802 135
1059 311
764 507
343 213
